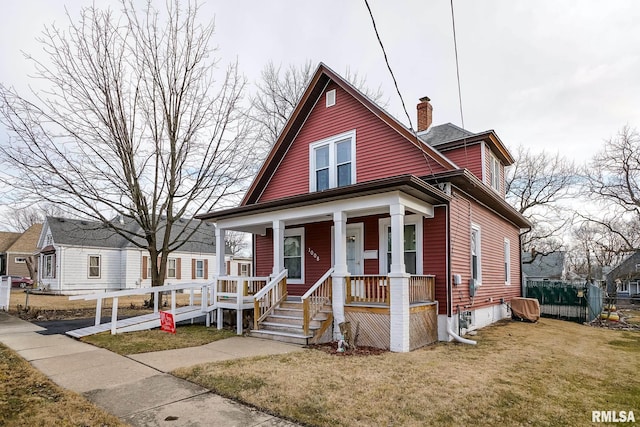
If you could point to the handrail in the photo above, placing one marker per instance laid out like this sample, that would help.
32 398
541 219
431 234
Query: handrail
271 284
313 300
139 291
269 297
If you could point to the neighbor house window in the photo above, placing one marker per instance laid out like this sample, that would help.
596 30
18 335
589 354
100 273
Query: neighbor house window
624 287
412 247
293 254
49 263
476 266
94 266
20 260
494 172
332 162
244 269
507 262
172 268
199 269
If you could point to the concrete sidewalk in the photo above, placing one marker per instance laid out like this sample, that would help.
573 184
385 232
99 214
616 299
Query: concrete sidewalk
139 391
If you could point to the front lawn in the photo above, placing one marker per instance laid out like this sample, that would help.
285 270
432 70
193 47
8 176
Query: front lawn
157 340
28 398
550 373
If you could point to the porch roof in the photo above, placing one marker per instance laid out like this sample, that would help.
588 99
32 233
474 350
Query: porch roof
409 184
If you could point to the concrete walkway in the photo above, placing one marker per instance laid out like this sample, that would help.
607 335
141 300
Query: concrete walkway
137 389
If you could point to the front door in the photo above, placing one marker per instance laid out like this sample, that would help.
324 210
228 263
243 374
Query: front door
354 249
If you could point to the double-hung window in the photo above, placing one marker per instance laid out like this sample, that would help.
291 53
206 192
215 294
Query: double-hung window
412 246
171 268
332 162
199 269
49 266
94 266
494 172
476 266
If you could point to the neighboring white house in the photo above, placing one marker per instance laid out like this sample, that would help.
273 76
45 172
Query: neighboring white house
77 256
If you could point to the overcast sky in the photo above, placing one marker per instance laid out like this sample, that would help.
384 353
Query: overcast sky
553 75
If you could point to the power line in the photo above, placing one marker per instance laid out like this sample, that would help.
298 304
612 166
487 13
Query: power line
386 60
455 48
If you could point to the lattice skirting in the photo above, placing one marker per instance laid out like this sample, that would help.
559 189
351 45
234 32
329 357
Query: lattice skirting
374 326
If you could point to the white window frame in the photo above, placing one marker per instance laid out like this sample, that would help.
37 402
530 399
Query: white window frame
507 261
94 276
330 97
20 260
175 268
244 269
49 240
494 172
199 269
49 266
292 232
478 250
331 142
624 287
383 226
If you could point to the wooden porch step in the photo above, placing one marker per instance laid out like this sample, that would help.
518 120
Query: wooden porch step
293 320
292 338
275 326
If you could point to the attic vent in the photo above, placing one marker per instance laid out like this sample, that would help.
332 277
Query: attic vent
331 98
445 187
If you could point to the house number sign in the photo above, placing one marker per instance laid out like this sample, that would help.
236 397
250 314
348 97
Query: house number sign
313 254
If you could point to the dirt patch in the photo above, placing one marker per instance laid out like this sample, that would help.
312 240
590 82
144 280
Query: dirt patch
332 348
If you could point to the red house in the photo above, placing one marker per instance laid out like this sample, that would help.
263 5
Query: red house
356 218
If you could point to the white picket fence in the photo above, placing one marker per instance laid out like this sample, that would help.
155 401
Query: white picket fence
5 293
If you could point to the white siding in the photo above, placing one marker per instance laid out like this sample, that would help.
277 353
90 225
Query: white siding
185 268
74 269
132 268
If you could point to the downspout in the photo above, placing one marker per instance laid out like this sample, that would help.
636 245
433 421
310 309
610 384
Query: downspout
458 337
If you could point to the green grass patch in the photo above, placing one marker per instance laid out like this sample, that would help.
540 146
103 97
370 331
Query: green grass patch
28 398
630 341
157 340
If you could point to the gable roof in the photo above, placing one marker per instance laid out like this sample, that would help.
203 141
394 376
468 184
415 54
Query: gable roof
28 241
441 134
78 232
314 90
548 266
7 238
626 269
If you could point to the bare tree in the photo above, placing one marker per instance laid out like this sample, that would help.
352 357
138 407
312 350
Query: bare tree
237 242
280 89
536 186
21 218
138 122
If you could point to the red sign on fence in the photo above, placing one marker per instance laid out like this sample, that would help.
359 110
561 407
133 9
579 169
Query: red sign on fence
167 322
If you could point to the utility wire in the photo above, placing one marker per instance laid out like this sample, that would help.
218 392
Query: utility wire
404 107
455 48
386 60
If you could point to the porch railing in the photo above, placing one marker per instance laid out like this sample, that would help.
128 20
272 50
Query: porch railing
315 298
371 289
374 289
265 300
422 288
240 285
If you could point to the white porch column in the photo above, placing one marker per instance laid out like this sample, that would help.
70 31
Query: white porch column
220 252
340 270
278 247
398 284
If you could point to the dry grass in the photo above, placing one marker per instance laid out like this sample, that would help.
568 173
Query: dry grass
49 307
157 340
28 398
550 373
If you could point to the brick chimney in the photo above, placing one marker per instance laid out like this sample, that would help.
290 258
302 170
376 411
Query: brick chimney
425 114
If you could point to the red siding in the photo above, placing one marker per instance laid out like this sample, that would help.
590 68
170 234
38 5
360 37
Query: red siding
493 231
471 158
264 254
374 141
435 253
317 239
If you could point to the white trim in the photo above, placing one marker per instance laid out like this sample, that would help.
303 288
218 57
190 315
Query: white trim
383 224
494 161
476 228
330 98
175 274
333 167
89 276
20 260
290 232
195 273
507 261
360 227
